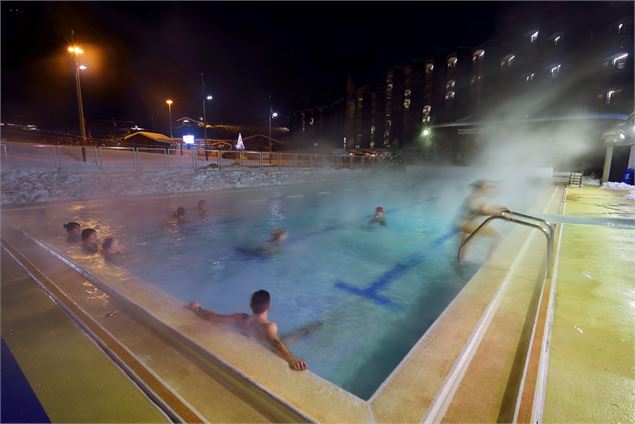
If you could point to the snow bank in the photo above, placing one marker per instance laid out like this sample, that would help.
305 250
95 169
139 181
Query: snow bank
630 196
28 186
616 186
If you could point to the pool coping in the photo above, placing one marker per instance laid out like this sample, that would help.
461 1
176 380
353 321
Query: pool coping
305 393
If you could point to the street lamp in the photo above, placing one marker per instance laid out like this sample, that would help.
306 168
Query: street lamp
271 114
76 50
205 100
169 103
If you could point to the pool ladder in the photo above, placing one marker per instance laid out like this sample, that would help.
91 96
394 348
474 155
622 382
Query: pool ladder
521 219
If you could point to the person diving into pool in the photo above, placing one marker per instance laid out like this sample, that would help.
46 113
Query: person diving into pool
475 207
256 325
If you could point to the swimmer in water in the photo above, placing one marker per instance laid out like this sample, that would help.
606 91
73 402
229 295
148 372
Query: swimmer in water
89 240
274 245
476 207
73 230
378 218
202 208
179 215
256 325
112 251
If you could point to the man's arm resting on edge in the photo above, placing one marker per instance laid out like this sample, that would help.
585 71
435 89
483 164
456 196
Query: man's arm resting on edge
213 316
282 349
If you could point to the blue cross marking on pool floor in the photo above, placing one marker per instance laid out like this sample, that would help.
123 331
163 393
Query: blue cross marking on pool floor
392 274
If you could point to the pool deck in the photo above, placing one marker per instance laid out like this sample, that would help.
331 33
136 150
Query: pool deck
470 366
591 364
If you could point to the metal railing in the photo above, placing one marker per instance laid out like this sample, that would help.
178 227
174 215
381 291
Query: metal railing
538 224
28 155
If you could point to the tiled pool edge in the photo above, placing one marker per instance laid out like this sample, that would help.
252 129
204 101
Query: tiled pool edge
411 388
306 393
245 362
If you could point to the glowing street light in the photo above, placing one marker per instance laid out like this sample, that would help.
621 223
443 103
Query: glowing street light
169 103
426 132
271 114
83 67
208 98
76 51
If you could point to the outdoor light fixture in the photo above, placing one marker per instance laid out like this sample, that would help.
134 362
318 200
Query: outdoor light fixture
622 136
534 36
82 67
426 132
622 56
169 102
75 50
209 97
274 115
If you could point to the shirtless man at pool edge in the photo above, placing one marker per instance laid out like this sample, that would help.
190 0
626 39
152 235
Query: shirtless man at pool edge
254 325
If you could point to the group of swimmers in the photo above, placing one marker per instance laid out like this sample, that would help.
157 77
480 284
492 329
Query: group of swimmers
90 243
258 324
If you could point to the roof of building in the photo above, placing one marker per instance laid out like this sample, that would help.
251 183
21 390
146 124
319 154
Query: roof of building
160 138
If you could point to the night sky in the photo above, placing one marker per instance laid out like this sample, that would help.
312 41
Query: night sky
139 54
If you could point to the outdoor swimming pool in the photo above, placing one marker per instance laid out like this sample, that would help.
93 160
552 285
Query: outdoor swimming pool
365 294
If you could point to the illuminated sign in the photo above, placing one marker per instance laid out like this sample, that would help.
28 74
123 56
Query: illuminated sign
188 139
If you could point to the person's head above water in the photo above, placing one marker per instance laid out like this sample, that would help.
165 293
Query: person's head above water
110 245
379 210
180 211
278 234
202 205
260 301
72 228
89 235
482 186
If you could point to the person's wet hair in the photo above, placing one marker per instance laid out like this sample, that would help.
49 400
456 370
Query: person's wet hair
180 211
480 184
71 226
260 301
87 232
277 233
107 244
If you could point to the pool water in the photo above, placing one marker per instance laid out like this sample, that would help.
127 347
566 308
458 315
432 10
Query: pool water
361 296
353 341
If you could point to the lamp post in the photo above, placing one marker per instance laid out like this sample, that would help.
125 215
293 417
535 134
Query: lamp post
169 103
76 50
271 114
207 98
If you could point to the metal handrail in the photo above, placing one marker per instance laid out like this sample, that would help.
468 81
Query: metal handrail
548 232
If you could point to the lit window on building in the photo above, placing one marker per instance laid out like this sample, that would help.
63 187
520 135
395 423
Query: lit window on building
475 79
425 120
406 104
530 77
450 85
452 61
407 92
478 55
555 71
372 130
427 109
450 95
508 60
429 68
311 121
533 37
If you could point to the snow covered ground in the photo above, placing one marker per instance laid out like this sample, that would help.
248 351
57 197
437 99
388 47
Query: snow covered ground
32 173
27 186
621 186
